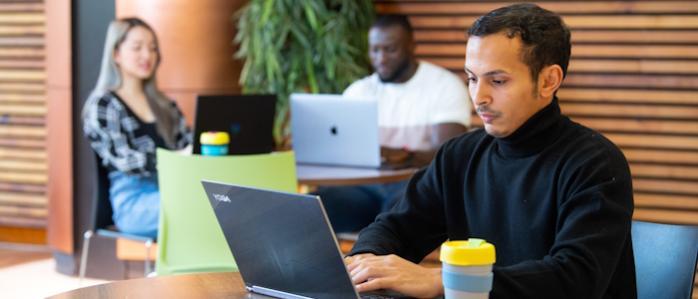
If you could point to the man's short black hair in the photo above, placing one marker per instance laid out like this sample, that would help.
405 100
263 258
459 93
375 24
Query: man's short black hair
387 20
545 37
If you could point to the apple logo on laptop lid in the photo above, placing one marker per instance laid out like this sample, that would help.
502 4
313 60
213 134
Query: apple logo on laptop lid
333 130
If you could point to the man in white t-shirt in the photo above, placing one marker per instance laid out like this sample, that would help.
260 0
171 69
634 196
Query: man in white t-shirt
420 106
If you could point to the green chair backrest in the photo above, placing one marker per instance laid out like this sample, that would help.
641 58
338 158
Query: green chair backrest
189 237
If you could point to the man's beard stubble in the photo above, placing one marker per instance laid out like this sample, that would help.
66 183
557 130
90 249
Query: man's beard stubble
401 69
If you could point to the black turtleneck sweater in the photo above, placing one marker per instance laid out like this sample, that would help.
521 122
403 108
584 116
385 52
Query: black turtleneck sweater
554 197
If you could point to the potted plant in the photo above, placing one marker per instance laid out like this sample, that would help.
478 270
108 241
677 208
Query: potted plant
315 46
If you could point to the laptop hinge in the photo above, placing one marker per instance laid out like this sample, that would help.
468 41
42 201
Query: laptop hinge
274 293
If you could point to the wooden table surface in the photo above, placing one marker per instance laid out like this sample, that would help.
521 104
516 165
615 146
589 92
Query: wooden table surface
199 285
326 175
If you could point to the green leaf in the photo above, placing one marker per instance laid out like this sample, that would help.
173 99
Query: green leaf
266 11
310 14
300 37
309 68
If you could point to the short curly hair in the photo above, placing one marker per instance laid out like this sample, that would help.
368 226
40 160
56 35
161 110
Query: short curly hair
388 20
545 37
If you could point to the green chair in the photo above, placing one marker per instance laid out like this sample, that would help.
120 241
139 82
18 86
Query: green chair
189 237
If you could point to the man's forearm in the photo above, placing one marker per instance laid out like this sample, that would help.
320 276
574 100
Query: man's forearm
422 158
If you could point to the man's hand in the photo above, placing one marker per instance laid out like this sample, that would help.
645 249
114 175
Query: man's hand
370 272
394 155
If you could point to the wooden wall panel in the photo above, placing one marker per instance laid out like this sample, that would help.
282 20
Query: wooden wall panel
633 76
23 160
58 97
196 40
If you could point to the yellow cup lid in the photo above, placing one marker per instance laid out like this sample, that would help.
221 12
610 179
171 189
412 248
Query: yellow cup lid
214 138
472 252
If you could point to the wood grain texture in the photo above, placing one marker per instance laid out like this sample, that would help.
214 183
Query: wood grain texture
196 41
11 257
201 285
22 116
59 125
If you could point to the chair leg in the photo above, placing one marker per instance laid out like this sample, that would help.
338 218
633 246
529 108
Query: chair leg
148 245
127 270
85 248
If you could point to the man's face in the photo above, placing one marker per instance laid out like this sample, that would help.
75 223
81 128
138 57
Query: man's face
500 84
390 50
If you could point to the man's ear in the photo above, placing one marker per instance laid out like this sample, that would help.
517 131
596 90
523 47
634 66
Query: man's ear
549 80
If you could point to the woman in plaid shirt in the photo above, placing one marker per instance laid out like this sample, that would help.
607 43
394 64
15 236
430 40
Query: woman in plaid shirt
126 118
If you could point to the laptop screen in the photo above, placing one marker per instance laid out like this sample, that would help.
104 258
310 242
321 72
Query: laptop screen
248 119
330 129
281 241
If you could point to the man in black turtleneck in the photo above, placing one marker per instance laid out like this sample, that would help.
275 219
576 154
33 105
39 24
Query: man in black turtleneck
554 197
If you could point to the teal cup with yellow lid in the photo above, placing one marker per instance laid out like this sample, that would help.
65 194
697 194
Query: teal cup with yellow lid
214 143
467 268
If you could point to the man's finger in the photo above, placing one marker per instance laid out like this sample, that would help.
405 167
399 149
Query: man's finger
369 273
363 260
348 260
372 285
362 256
362 274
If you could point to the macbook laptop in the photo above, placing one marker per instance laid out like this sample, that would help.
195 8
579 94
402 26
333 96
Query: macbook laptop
331 129
283 243
248 119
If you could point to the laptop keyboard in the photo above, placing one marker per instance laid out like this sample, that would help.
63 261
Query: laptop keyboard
375 296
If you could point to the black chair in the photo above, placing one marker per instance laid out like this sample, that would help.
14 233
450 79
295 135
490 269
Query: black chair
102 223
665 259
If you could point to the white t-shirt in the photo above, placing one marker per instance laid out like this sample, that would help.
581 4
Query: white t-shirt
406 111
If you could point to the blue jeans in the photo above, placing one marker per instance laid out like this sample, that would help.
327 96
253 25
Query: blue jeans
351 208
136 203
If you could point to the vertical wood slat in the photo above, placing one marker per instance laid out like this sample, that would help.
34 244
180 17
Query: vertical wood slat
23 170
632 77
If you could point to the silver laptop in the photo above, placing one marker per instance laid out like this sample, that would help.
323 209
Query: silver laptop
331 129
282 243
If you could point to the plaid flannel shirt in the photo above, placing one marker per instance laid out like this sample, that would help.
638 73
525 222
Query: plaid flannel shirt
113 132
